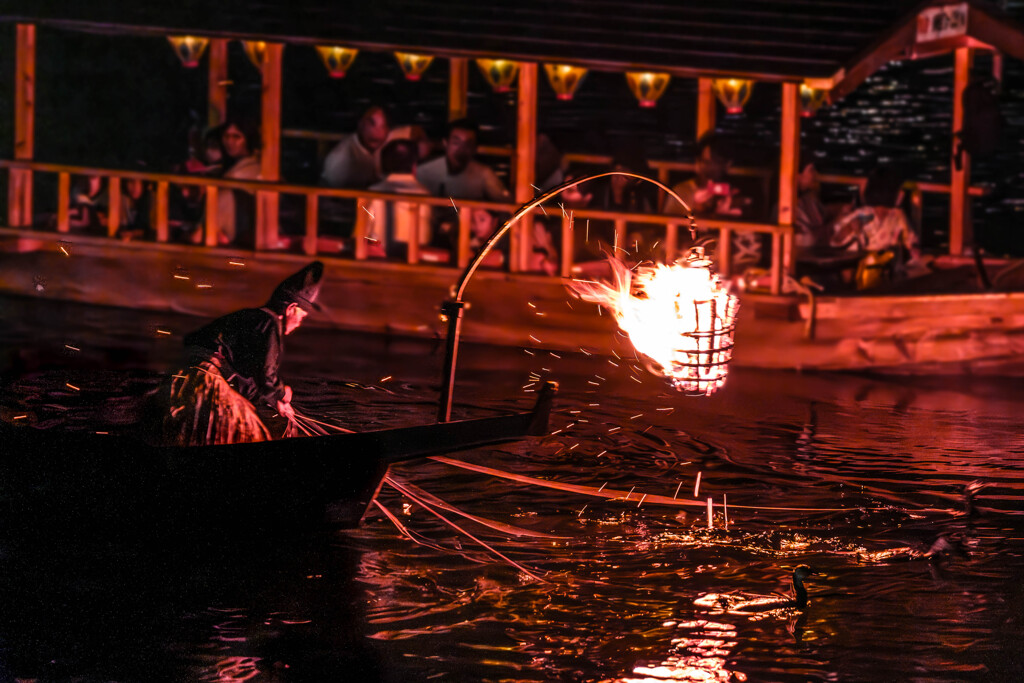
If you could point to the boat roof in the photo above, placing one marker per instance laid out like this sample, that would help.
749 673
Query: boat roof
836 42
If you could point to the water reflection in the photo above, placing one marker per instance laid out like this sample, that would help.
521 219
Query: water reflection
701 655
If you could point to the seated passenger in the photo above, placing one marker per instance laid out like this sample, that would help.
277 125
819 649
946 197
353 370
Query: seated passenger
87 209
458 174
136 211
395 226
879 228
353 161
236 209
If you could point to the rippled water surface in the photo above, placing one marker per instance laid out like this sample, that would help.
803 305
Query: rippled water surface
855 477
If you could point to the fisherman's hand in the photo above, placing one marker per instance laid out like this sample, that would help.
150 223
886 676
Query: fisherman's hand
284 409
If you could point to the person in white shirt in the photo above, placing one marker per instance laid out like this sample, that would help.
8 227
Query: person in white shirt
353 161
458 174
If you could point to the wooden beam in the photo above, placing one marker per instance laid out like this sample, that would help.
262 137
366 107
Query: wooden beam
217 86
960 181
789 169
19 197
526 154
1002 33
458 88
707 107
270 155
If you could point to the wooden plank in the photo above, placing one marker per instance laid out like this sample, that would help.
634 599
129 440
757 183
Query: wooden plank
113 205
526 154
270 155
960 180
162 206
458 88
309 240
217 82
63 202
20 181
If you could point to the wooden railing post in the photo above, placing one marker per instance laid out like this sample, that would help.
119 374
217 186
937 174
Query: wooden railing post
526 154
212 219
162 207
671 242
309 240
465 233
706 107
458 87
568 243
217 82
789 169
960 180
113 205
725 252
267 202
63 202
19 191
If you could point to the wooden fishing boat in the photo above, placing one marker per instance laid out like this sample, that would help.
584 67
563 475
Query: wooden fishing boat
938 331
62 482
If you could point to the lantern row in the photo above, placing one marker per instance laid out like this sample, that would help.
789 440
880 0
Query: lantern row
646 86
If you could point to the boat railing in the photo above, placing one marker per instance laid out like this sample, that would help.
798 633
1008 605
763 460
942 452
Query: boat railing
671 232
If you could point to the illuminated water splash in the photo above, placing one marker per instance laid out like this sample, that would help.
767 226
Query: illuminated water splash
680 316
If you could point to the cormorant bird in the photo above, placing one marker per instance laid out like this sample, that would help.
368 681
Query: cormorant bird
740 604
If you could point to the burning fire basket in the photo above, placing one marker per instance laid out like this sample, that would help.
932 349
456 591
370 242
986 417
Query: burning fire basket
680 316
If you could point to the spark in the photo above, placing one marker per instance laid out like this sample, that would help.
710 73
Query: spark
180 376
159 331
555 355
562 207
596 384
181 277
593 282
614 429
368 211
103 432
71 386
569 304
616 355
64 250
543 209
629 494
384 379
71 348
581 511
535 187
711 519
655 245
725 508
601 453
585 352
546 369
237 263
696 486
641 500
527 386
19 417
535 339
572 447
371 240
529 352
665 409
636 416
602 487
593 404
599 377
674 495
203 286
635 379
611 362
452 199
531 304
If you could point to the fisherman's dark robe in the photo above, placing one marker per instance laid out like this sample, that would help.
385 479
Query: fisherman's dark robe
232 364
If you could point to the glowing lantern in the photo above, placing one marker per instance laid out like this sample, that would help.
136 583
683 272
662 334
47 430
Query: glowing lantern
681 317
413 65
188 48
337 59
500 73
647 86
811 99
564 79
254 50
733 93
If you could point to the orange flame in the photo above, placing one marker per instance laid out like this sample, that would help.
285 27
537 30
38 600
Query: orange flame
680 316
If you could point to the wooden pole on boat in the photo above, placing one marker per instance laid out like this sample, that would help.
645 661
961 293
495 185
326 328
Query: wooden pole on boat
458 87
19 192
960 180
217 82
789 167
270 155
706 107
526 152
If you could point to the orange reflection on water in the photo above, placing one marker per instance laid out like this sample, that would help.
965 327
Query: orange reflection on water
702 656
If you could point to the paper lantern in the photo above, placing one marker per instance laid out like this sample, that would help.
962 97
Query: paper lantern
413 65
564 79
647 86
500 73
733 93
337 59
254 50
811 99
188 48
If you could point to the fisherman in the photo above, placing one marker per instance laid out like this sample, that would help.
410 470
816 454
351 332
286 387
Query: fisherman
233 362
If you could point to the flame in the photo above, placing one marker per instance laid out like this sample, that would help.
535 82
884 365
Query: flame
680 316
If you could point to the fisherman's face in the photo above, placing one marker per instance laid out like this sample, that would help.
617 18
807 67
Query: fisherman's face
293 317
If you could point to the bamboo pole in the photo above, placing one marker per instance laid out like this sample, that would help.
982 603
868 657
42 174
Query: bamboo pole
270 155
19 202
526 152
960 181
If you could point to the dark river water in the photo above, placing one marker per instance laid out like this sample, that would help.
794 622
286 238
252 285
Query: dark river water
856 477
